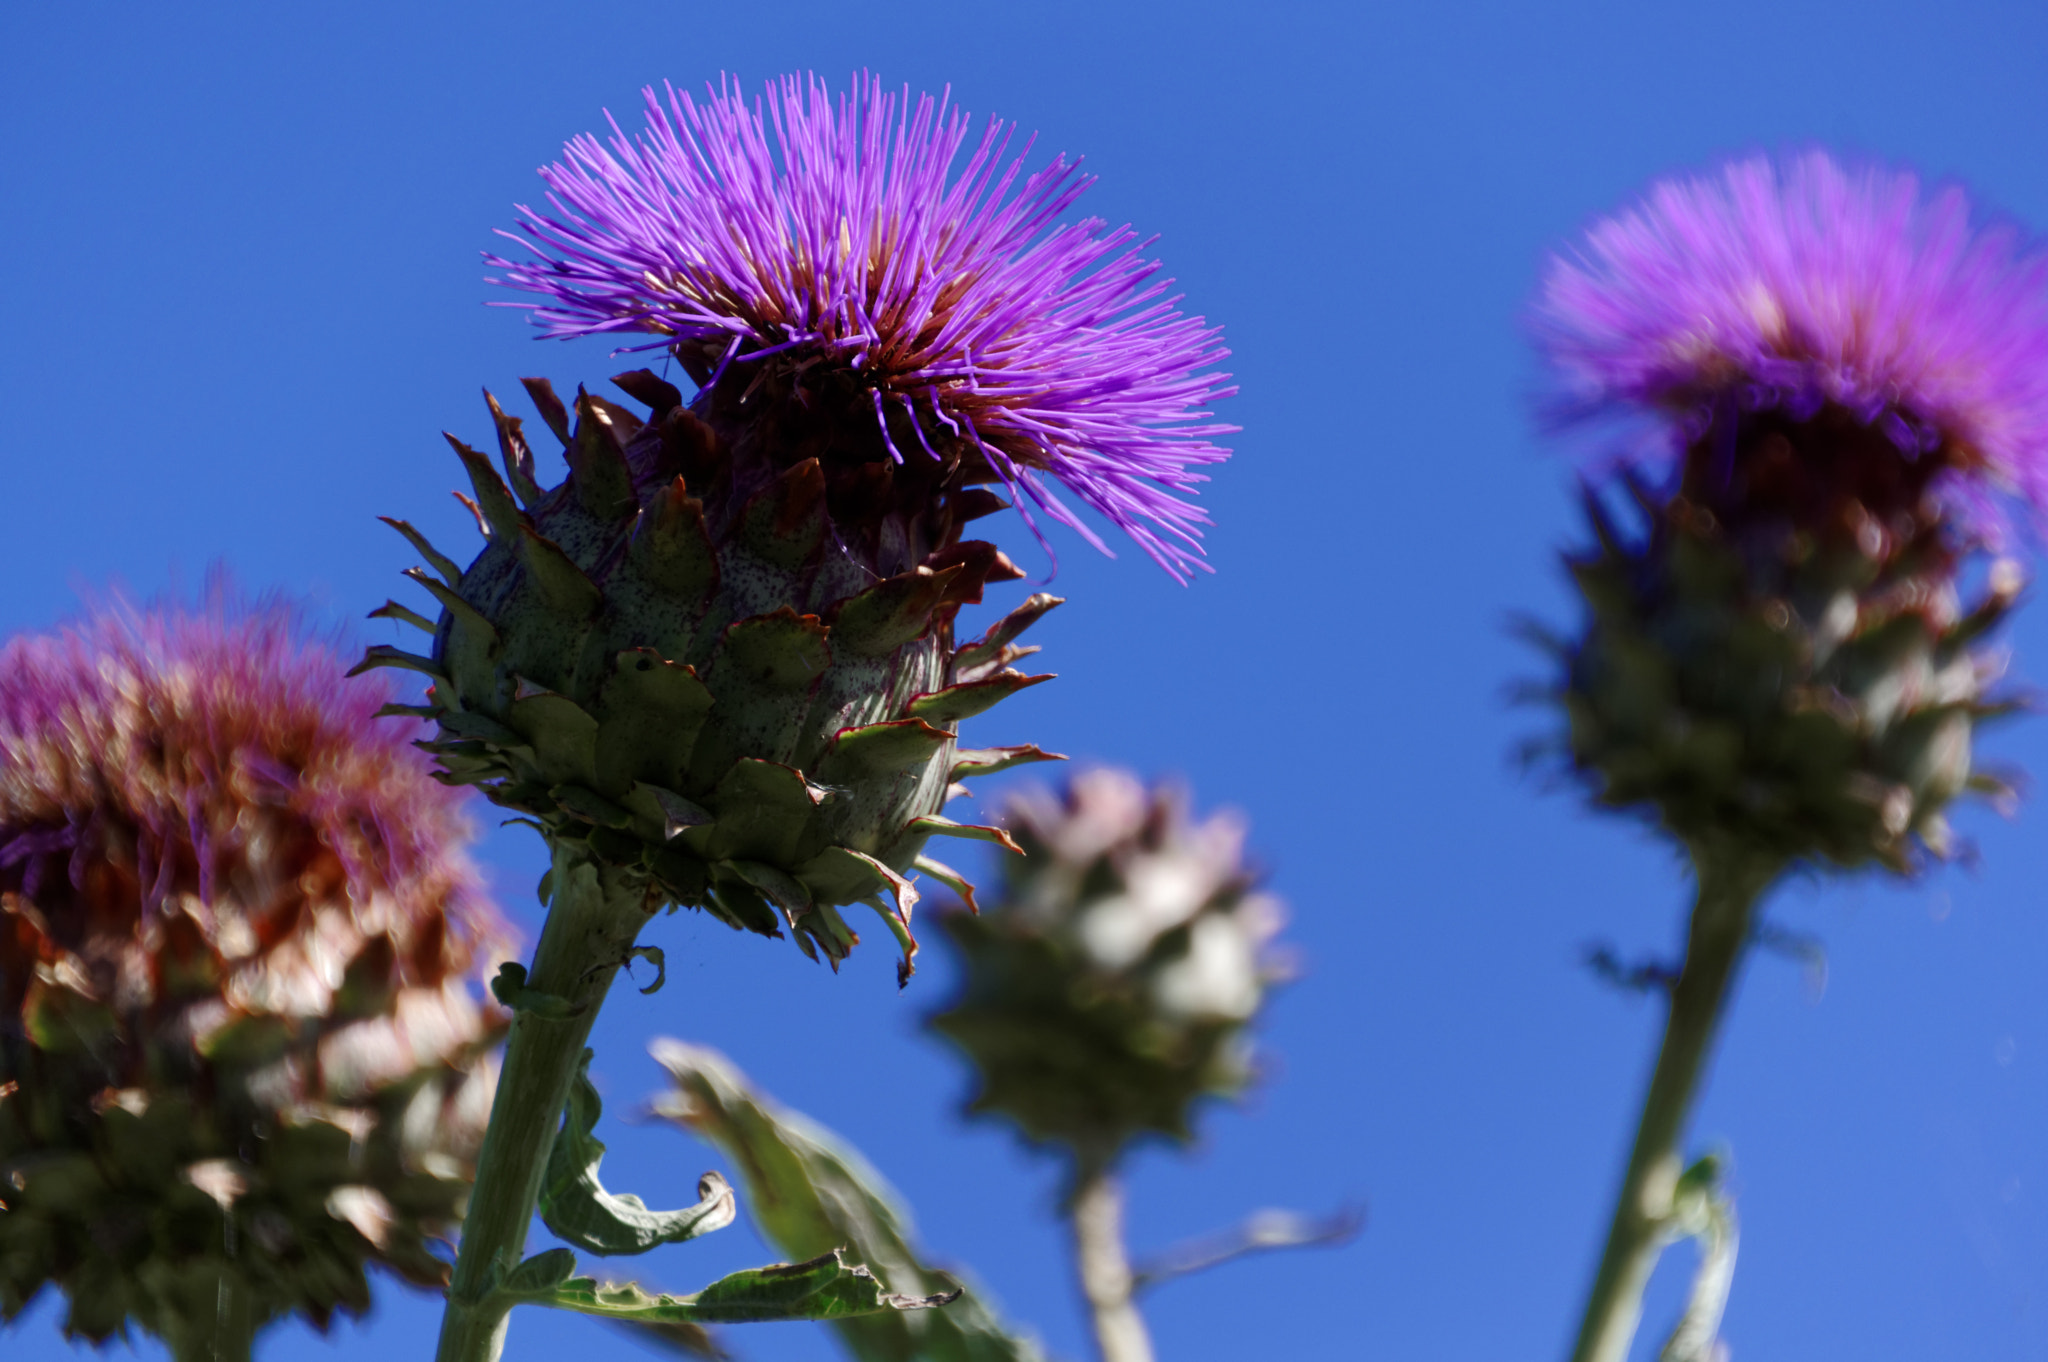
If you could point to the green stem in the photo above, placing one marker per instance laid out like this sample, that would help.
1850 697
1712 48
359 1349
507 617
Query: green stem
1097 1211
593 919
1729 886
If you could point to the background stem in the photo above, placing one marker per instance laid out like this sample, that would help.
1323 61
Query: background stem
1097 1213
1729 885
593 918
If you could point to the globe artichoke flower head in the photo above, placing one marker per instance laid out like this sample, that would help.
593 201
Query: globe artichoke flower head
239 1053
1110 986
721 654
1846 378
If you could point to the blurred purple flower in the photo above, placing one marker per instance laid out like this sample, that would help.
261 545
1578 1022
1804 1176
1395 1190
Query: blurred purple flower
239 926
172 723
1043 348
1789 287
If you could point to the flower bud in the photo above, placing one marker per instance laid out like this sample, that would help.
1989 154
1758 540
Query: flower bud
239 1057
1110 986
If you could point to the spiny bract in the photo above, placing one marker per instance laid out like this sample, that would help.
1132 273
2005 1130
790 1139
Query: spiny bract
1806 696
720 653
1110 986
239 1055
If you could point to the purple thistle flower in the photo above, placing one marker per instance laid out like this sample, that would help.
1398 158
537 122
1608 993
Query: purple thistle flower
1787 288
844 246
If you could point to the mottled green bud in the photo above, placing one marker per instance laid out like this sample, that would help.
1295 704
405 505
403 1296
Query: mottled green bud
720 654
1781 657
1110 986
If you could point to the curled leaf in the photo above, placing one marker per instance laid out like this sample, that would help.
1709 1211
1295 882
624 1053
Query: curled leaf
576 1207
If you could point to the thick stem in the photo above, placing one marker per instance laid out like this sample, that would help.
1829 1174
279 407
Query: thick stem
1097 1211
1729 885
593 919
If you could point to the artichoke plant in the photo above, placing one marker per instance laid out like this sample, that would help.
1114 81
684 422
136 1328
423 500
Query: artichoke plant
240 1059
717 664
1106 993
1837 392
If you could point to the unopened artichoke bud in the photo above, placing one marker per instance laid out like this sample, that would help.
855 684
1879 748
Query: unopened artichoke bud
1787 653
1111 984
240 1051
721 653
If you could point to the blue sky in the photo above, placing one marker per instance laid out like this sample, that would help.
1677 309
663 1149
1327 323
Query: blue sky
244 296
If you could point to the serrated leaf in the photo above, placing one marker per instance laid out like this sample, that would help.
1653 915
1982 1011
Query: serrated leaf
807 1190
576 1207
824 1288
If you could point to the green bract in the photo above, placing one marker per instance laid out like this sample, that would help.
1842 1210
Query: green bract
1800 690
720 654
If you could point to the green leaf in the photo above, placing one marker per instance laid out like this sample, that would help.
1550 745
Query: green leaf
808 1191
577 1208
826 1287
542 1272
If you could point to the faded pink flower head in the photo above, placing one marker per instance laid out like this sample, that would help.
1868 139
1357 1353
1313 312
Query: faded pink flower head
239 927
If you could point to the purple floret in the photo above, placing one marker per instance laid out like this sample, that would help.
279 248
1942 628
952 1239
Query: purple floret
1787 287
1048 348
166 724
